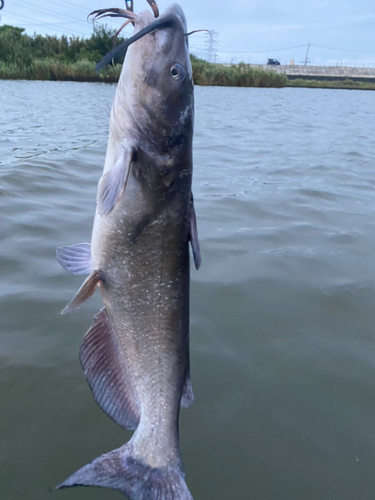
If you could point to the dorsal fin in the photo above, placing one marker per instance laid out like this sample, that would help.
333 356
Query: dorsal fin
193 235
104 366
187 398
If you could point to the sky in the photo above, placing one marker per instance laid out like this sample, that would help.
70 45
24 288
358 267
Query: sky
340 32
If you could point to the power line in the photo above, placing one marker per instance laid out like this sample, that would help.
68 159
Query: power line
61 15
262 51
275 50
211 46
20 18
46 10
225 49
74 6
55 24
57 15
344 50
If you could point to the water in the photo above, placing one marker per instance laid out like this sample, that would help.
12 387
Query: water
282 309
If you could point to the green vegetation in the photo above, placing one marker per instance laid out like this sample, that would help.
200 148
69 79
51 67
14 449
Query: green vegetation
52 69
47 57
325 84
18 48
51 58
239 75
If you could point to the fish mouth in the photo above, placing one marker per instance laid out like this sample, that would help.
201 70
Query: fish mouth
168 20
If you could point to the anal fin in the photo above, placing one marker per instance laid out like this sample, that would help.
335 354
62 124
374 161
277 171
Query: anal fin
87 289
103 363
75 258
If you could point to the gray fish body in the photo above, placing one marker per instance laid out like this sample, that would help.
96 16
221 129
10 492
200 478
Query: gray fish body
142 247
136 354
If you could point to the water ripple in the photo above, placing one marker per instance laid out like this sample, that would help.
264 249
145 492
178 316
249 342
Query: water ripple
282 309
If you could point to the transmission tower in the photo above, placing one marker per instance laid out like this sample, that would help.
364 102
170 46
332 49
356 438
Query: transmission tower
211 46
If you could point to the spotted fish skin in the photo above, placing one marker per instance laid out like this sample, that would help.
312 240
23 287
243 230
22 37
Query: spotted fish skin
136 353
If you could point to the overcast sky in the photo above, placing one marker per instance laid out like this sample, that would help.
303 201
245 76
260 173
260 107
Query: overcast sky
340 31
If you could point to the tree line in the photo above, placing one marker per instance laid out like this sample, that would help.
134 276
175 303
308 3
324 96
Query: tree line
46 57
18 48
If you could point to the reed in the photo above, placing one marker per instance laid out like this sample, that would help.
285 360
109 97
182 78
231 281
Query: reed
51 58
84 71
239 75
47 57
53 69
336 84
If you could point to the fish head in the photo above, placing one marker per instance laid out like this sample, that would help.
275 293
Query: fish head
156 83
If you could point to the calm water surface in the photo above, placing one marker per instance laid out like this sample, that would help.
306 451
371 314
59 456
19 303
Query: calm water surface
282 309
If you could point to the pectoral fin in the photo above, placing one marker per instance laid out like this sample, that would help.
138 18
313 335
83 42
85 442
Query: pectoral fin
75 258
112 184
193 235
87 289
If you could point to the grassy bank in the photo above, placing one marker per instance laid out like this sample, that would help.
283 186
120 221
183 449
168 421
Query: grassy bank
53 69
337 84
47 57
241 75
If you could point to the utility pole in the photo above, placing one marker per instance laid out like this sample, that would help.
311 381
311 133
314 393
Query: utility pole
307 54
211 45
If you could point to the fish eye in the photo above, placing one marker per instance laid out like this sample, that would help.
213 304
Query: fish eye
177 71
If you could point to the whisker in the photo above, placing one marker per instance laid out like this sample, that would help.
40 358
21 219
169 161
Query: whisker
119 31
99 14
163 22
197 31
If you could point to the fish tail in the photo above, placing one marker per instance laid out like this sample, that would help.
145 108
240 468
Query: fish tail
121 470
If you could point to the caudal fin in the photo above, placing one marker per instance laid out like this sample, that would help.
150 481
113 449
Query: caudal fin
120 471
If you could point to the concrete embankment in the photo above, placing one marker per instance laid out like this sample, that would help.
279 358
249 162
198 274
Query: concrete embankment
328 73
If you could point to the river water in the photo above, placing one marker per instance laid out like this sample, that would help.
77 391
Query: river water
282 309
